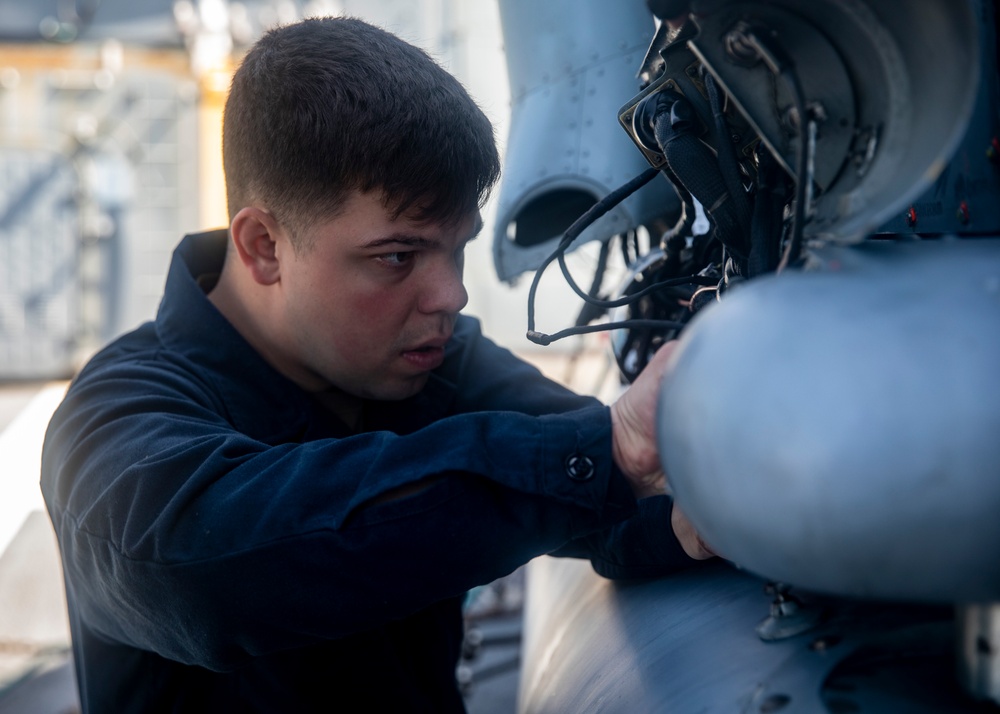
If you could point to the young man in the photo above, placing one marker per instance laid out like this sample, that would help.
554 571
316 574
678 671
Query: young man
273 497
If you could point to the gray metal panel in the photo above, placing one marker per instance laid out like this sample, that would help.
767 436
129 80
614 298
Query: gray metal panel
893 52
571 66
688 643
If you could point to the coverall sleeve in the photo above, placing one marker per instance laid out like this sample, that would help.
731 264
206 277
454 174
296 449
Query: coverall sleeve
177 530
644 545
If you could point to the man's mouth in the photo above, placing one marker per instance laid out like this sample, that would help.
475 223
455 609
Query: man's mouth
430 345
427 356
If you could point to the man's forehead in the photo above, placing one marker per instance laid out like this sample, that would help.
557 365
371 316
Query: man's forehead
426 213
464 226
376 226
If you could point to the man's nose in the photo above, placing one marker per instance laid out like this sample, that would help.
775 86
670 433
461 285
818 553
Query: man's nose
445 291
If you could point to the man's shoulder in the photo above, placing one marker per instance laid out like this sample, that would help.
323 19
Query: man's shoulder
157 369
136 345
139 362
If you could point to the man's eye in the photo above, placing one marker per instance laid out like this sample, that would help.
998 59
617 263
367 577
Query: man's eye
396 260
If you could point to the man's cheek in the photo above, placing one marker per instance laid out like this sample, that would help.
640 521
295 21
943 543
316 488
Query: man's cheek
375 306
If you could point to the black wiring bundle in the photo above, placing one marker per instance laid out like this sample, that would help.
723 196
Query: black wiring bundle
740 228
781 65
571 234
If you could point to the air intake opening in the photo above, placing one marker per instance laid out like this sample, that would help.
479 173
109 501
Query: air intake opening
548 216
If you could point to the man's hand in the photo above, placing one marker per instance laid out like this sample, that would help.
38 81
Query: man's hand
633 443
633 428
688 537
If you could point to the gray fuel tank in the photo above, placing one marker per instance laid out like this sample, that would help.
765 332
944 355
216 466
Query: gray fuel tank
839 428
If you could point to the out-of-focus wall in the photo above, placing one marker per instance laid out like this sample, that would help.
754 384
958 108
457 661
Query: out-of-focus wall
98 177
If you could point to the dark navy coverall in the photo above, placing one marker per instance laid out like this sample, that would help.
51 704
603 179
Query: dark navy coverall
224 545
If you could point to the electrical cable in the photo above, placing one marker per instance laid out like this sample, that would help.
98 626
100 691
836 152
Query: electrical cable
588 313
766 221
540 338
629 299
602 266
781 65
794 248
726 153
578 226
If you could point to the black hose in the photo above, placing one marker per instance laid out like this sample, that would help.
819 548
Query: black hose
765 227
590 312
540 338
629 299
696 168
794 249
577 227
729 165
781 65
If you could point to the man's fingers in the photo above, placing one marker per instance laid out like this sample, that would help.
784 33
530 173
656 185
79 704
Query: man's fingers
633 419
688 537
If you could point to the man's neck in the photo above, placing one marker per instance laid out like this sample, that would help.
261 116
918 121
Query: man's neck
241 307
346 407
228 300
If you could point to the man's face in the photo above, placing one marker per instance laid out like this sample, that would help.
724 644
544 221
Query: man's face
369 303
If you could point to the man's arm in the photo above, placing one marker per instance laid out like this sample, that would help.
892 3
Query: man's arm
490 377
185 537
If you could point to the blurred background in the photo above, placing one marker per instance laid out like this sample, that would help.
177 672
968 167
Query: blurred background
110 150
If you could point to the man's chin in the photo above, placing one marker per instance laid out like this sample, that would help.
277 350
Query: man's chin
398 390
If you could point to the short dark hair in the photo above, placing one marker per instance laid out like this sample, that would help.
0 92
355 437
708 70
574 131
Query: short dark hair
328 106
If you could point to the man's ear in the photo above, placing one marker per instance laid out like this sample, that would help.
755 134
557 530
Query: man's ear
256 234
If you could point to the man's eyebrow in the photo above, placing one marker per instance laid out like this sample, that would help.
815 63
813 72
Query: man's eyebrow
412 241
401 239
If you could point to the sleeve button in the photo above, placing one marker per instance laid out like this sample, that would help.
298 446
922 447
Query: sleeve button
579 468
